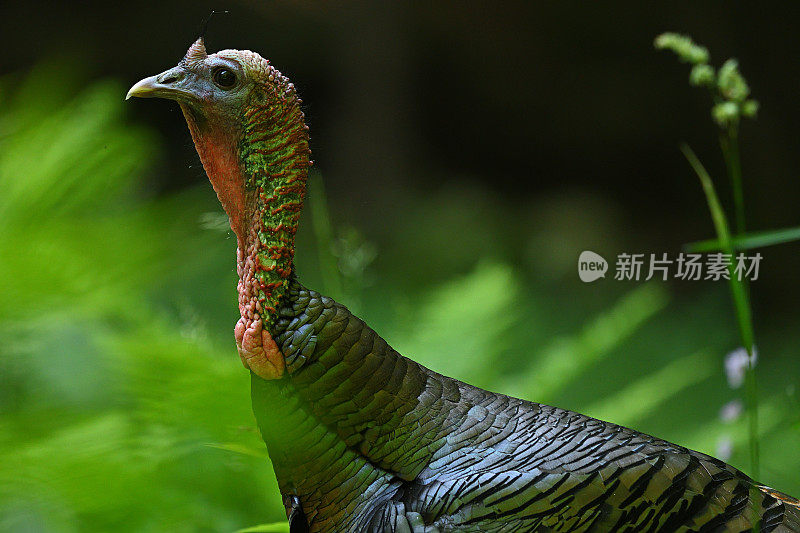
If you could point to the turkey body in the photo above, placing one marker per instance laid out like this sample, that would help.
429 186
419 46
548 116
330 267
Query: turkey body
368 440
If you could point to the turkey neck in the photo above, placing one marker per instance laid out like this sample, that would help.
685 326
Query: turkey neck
259 172
351 406
344 378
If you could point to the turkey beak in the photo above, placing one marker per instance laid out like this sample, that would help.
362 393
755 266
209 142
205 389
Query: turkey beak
171 84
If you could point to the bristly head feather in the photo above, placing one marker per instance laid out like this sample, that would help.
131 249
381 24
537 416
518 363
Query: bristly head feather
196 54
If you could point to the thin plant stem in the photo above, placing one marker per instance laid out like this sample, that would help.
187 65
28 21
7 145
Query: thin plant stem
323 232
729 141
748 241
741 302
730 149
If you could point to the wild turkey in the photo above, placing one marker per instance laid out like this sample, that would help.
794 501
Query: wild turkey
364 439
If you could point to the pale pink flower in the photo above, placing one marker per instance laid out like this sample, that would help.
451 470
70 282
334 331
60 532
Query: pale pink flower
731 411
736 366
724 448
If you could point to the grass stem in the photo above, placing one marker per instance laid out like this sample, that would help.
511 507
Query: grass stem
729 142
323 233
741 302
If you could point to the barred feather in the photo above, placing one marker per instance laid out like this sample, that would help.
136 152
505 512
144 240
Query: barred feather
371 441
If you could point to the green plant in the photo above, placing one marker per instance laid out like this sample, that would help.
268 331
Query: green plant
731 100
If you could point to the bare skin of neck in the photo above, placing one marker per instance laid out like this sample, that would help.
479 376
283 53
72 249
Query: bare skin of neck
257 349
256 346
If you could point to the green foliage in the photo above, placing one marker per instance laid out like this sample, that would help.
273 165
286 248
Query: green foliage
107 401
684 47
729 92
702 75
727 86
741 302
275 527
748 241
731 83
478 309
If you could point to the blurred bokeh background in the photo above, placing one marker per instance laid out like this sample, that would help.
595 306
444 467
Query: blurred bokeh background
469 153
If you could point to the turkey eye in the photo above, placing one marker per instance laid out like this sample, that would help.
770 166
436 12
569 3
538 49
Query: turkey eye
225 78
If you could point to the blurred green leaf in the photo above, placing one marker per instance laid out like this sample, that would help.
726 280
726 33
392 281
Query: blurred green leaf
564 358
683 46
235 447
747 241
461 326
275 527
106 401
640 398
